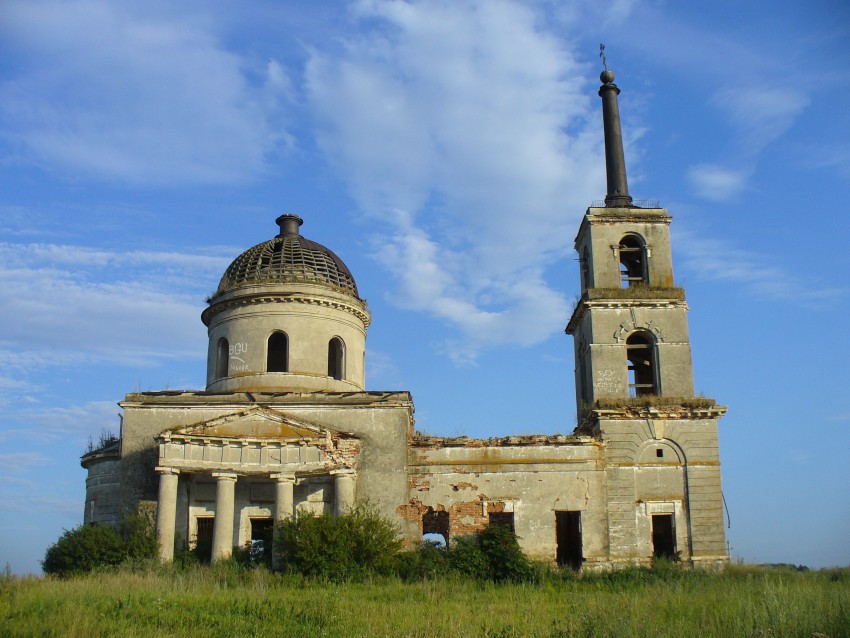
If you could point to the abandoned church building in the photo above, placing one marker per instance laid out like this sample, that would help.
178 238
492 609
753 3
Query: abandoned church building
287 426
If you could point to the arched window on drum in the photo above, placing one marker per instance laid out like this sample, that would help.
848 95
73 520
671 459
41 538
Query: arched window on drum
277 353
222 358
336 359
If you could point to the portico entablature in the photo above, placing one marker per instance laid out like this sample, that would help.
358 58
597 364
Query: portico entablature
273 443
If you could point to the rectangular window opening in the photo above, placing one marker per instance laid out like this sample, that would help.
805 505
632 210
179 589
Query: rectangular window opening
505 519
435 527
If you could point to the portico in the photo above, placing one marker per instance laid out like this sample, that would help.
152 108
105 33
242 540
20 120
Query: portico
278 465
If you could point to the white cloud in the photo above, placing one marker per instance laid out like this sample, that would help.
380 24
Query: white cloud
708 259
71 423
135 92
21 462
762 114
718 183
465 129
71 304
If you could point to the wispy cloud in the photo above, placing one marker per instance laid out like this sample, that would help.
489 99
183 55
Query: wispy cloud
139 93
718 183
466 130
21 462
761 114
707 259
69 304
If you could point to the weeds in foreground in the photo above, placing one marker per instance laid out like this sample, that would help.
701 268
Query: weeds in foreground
229 599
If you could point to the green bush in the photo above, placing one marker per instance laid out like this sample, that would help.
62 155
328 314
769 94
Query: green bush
465 557
492 554
429 561
87 547
505 559
84 548
347 547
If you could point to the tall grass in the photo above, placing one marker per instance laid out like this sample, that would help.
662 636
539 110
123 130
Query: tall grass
227 600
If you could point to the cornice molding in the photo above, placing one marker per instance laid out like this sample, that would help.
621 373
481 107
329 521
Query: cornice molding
262 298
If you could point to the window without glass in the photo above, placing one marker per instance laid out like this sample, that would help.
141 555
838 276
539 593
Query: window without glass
435 525
632 261
505 519
640 352
222 358
277 359
336 359
585 269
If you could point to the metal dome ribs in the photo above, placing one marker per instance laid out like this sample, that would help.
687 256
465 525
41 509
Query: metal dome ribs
288 259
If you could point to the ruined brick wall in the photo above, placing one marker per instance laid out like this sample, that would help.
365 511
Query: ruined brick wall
532 477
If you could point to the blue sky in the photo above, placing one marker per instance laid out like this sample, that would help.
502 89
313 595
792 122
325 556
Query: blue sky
446 151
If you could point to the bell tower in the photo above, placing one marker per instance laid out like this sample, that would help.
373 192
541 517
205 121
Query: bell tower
634 376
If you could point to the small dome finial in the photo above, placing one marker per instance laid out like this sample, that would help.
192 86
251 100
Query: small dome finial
289 224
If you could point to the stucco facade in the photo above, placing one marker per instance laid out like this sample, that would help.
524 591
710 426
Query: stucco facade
286 426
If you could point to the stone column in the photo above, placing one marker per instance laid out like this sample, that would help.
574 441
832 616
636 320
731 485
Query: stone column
166 512
284 508
223 526
343 491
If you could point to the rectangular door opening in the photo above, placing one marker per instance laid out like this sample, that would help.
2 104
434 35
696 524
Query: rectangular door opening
262 532
663 536
568 539
204 537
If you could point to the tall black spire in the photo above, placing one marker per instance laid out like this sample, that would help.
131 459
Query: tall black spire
615 161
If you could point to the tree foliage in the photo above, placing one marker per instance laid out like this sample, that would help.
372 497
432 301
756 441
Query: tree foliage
88 547
492 554
347 547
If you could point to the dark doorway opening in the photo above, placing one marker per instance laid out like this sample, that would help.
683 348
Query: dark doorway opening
568 539
435 524
663 536
262 532
505 519
204 538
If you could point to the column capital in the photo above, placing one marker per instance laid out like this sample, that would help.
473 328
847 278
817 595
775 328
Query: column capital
282 478
225 476
166 470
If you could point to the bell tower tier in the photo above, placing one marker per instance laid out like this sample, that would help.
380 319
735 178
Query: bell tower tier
630 325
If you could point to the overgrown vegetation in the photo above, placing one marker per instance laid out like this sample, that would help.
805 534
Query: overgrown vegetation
93 546
351 546
228 600
638 291
493 554
105 439
653 401
482 586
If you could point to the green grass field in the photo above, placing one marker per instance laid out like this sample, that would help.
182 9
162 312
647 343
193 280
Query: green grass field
227 600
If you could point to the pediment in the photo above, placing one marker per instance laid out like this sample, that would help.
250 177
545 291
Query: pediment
257 423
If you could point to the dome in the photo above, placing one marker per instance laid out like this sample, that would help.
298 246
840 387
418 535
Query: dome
288 258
